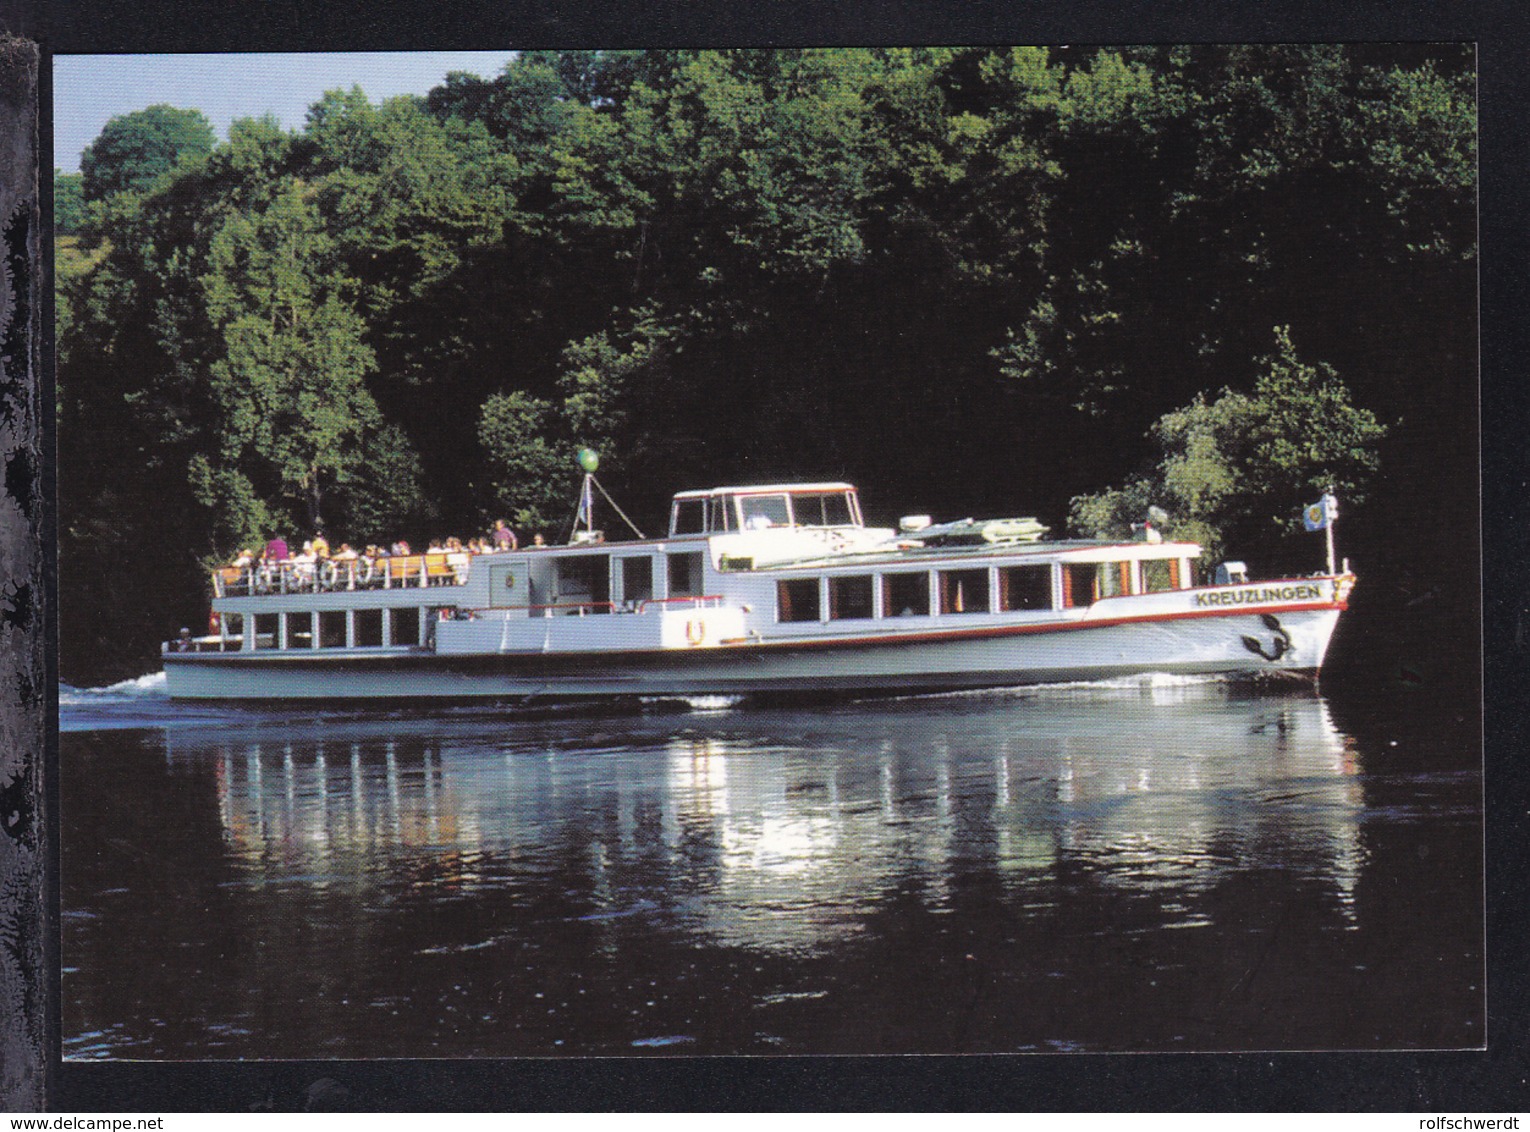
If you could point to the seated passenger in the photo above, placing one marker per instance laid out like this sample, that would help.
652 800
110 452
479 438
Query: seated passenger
302 564
320 545
243 559
276 550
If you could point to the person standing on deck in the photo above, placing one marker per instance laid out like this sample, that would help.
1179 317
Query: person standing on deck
504 537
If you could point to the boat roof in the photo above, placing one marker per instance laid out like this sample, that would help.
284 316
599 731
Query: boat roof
764 488
1050 549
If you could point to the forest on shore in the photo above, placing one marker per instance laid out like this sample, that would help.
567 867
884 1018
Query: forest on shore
1073 283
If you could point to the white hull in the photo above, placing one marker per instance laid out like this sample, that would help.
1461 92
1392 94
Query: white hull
987 656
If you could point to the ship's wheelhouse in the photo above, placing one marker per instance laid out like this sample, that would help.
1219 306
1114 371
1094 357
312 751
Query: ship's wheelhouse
725 510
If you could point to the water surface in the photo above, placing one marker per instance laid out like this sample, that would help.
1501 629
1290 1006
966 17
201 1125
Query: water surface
1148 865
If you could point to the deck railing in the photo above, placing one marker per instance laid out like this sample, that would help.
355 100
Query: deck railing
331 575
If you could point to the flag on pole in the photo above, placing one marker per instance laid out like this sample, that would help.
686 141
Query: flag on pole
586 504
1320 515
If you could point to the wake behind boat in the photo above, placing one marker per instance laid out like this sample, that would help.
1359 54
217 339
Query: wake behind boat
763 589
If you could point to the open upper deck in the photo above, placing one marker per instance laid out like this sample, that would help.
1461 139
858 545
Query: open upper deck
725 510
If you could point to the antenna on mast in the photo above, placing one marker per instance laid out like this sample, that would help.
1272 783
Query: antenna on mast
589 460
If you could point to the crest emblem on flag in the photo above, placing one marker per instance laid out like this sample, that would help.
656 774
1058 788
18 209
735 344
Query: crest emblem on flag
1320 515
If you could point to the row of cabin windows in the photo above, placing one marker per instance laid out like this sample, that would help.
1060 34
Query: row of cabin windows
588 577
1018 588
296 630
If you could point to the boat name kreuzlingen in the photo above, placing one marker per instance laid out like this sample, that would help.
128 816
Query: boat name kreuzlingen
1263 593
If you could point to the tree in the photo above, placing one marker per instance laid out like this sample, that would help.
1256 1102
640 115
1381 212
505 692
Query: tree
289 384
1235 471
531 477
68 203
133 151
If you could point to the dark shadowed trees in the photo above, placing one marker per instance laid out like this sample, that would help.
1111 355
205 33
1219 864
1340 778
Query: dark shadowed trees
971 279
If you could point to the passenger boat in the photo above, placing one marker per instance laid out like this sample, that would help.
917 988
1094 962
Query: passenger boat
764 589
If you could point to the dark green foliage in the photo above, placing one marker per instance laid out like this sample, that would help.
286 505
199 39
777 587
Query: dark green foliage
1235 471
970 279
68 203
133 151
531 477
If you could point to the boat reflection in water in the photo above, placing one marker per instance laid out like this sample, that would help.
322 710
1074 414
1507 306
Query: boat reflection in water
1157 865
1152 866
730 827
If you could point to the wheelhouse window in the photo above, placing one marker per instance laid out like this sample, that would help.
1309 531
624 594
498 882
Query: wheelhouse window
850 598
1025 587
797 599
905 595
964 591
685 576
266 630
689 518
720 514
761 511
824 509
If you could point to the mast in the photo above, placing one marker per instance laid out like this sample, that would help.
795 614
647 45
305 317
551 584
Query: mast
589 460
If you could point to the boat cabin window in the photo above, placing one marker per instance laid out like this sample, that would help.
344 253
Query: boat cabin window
637 579
1114 579
1159 574
332 629
1025 587
850 598
685 576
824 509
585 580
905 595
406 626
369 628
1087 582
299 630
964 591
689 517
797 599
266 630
761 511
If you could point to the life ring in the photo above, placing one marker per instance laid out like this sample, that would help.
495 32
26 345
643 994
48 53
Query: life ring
695 631
329 573
364 571
213 623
